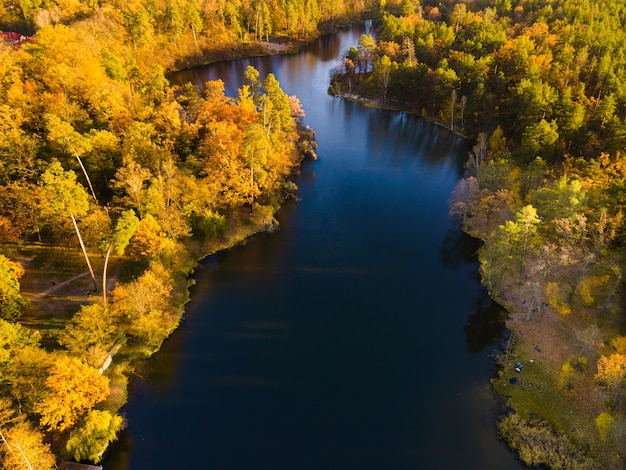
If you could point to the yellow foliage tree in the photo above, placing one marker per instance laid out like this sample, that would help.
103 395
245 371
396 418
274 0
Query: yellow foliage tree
556 295
589 286
21 447
72 389
11 301
612 371
143 306
619 343
23 364
91 335
66 196
149 239
604 421
151 291
89 440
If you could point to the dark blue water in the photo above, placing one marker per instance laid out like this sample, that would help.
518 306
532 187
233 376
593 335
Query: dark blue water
356 336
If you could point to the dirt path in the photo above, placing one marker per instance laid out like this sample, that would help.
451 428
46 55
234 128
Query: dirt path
55 300
34 297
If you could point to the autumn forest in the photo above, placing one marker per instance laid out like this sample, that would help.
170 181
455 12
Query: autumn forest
540 87
115 183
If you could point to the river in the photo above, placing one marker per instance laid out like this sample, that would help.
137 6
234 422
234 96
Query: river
356 336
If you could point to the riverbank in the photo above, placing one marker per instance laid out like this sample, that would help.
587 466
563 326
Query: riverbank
284 326
168 165
558 400
395 106
147 289
56 293
561 413
274 45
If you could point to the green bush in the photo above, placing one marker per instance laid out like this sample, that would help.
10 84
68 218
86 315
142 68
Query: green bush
538 444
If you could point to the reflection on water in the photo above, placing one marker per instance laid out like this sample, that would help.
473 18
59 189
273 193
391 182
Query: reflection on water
458 249
485 326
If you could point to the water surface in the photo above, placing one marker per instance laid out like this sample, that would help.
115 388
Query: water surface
356 336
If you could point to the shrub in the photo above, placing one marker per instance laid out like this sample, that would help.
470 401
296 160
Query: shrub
538 444
566 374
604 421
556 298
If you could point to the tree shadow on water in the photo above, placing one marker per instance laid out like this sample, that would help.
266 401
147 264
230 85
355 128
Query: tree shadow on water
485 327
458 249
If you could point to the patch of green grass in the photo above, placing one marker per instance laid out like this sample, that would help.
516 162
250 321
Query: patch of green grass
64 260
536 394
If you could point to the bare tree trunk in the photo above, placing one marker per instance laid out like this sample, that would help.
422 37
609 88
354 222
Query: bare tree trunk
104 276
93 193
82 245
195 38
19 448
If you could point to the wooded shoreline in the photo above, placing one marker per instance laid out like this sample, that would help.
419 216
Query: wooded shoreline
540 87
178 174
542 192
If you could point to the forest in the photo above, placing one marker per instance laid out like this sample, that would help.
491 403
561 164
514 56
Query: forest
541 88
115 183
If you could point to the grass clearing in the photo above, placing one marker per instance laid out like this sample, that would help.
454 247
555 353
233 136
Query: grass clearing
56 283
535 393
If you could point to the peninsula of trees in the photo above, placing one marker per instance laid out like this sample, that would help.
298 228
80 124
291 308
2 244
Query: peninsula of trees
113 184
541 87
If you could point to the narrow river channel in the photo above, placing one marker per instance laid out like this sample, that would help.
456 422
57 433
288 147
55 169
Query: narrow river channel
357 336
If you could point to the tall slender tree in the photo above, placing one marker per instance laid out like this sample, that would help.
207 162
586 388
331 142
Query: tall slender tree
117 242
67 196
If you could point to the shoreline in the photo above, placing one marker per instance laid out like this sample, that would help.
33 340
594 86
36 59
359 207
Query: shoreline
398 107
511 387
243 229
275 45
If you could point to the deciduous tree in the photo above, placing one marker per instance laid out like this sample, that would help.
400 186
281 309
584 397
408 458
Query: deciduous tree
12 304
95 432
131 180
117 242
507 249
23 364
67 196
91 335
21 446
72 389
612 373
143 306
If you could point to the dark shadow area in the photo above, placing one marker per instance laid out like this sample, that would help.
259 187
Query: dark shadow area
485 327
458 249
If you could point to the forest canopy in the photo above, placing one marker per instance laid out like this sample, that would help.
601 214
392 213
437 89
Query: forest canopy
108 170
117 181
541 89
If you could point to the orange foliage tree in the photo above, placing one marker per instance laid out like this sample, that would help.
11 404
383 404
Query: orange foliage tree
72 389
